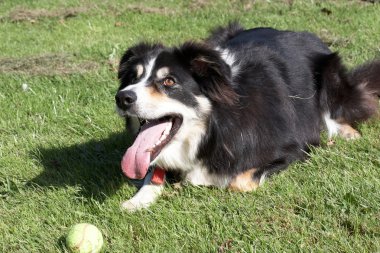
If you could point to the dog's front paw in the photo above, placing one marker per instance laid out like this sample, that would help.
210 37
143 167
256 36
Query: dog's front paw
132 205
145 197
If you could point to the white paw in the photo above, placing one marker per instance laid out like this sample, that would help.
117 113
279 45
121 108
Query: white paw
132 206
145 197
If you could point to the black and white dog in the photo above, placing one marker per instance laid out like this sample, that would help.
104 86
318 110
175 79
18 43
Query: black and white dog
238 107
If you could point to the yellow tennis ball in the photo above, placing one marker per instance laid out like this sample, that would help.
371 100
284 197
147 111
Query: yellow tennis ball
84 238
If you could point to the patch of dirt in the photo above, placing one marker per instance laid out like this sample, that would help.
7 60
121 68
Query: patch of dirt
192 5
113 64
226 246
248 4
48 64
326 11
199 4
147 9
20 14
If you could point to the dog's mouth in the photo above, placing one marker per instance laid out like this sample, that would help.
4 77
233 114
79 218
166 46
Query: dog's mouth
153 137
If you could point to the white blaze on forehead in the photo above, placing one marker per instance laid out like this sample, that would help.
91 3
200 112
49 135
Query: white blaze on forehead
139 70
162 72
148 72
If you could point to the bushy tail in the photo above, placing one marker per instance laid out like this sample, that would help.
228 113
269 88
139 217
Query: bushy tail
367 80
368 75
350 96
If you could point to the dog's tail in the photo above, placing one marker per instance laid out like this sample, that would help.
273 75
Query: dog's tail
369 76
350 96
366 80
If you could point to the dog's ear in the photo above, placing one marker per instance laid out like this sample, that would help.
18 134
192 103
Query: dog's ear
140 50
210 71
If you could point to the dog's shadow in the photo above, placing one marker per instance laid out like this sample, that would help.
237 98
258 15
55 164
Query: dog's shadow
94 166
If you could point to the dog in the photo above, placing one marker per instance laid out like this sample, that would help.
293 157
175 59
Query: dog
238 107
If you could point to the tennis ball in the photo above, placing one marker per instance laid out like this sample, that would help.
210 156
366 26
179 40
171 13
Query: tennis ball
84 238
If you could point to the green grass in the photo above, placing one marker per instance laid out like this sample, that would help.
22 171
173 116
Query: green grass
61 142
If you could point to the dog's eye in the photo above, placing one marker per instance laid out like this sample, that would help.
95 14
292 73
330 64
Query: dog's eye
168 82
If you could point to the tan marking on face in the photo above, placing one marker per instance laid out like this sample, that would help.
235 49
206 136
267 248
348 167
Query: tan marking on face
162 72
244 182
139 70
348 132
155 93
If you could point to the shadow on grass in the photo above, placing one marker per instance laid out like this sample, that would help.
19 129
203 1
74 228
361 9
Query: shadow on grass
94 166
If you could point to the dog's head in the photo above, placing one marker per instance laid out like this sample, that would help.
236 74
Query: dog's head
176 85
154 74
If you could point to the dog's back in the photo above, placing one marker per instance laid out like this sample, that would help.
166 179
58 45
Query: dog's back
291 83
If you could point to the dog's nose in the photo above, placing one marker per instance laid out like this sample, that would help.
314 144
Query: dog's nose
125 98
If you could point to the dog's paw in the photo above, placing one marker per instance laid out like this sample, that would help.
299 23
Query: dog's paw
348 133
145 197
132 205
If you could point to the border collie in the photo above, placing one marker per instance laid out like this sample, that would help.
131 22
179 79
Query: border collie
237 107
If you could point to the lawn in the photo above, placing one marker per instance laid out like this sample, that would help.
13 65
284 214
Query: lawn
61 141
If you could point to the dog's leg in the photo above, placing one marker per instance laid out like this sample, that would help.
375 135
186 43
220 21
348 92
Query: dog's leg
199 176
146 196
148 193
338 127
246 181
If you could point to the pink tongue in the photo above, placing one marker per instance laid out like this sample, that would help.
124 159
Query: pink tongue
136 160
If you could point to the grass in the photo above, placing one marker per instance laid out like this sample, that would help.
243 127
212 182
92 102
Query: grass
61 142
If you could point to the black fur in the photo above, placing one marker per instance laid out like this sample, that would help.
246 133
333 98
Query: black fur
208 69
269 111
288 80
